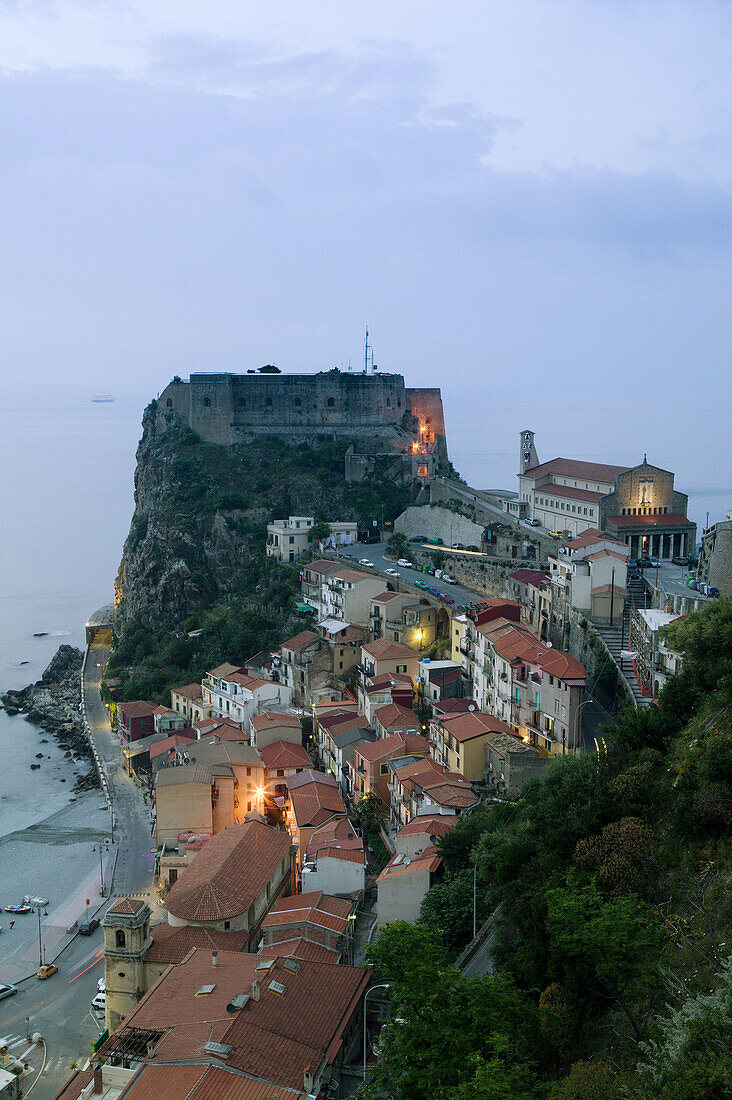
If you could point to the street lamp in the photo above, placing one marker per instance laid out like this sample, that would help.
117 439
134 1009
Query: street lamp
379 985
39 909
101 850
584 703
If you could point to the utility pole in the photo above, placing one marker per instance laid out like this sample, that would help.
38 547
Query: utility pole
612 595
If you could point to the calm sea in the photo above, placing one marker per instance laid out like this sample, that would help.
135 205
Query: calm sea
67 492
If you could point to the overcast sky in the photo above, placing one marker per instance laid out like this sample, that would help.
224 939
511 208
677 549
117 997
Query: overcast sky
528 201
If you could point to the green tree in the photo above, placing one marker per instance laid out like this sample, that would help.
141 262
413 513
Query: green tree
605 949
365 813
397 544
320 531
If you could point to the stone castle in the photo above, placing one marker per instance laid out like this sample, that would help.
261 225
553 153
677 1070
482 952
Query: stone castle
376 412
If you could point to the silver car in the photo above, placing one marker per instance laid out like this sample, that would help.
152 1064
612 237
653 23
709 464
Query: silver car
7 991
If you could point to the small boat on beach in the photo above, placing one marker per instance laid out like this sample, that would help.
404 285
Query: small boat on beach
17 909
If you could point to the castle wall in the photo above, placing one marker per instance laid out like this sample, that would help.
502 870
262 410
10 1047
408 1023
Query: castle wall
426 405
227 408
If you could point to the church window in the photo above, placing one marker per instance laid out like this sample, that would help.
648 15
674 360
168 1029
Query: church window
207 402
169 403
268 402
120 940
331 402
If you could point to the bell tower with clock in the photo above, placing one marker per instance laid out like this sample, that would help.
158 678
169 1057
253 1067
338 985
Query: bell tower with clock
527 453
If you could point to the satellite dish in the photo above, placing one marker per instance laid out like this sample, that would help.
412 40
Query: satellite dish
471 707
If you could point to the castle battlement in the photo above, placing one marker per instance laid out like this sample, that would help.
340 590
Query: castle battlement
377 411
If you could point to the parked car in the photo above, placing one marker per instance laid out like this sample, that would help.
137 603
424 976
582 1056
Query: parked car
435 591
438 542
644 563
101 985
533 522
680 559
693 560
654 563
7 990
100 1002
371 539
448 579
392 572
420 584
405 563
555 534
88 926
458 546
448 599
475 549
46 971
431 570
419 538
365 561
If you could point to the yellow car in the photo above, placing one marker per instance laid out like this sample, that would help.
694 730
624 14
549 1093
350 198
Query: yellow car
47 970
554 534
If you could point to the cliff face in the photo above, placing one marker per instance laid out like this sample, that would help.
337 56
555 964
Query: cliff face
198 530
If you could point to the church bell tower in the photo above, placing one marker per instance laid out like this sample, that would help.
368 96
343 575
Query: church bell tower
527 453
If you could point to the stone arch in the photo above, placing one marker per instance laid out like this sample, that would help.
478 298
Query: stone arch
120 940
207 402
169 403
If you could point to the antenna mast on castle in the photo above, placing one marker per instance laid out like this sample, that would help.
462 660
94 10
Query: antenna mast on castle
368 354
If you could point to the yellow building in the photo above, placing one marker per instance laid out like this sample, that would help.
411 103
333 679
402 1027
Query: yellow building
458 741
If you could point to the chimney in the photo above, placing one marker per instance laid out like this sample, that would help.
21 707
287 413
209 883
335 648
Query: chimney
98 1080
214 958
255 991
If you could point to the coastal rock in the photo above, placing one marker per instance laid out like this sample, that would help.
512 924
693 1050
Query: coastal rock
66 662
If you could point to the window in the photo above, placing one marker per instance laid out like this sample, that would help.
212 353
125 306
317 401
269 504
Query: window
241 402
331 402
297 402
292 539
119 938
388 402
249 771
249 807
384 769
280 773
169 403
207 402
268 402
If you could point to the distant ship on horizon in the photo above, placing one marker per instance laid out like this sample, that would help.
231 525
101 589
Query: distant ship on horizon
100 397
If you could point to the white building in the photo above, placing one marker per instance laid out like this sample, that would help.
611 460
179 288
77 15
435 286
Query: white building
232 694
590 574
288 539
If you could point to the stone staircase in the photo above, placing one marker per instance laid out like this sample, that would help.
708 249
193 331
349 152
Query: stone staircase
613 636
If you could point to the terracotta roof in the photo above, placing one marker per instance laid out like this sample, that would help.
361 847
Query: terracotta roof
73 1087
518 643
209 757
321 565
203 1082
411 743
590 536
300 948
171 945
346 853
305 637
530 576
403 865
127 906
180 737
284 754
275 1038
504 743
429 826
189 691
383 649
337 832
138 708
393 716
310 775
674 520
569 491
314 803
271 718
605 553
223 671
385 597
165 710
229 874
251 683
571 467
341 719
354 576
464 727
315 907
450 794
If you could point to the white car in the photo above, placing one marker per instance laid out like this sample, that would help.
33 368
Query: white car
365 561
448 579
101 986
99 1003
392 572
405 563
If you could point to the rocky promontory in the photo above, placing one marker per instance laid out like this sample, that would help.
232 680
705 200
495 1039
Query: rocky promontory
53 704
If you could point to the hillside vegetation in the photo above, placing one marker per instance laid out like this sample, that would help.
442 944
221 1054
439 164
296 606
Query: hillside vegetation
609 889
195 555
